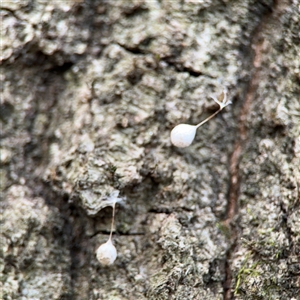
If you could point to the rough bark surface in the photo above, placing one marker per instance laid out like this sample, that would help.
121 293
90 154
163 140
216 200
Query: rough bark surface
90 93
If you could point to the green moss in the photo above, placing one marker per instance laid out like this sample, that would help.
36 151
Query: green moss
245 272
224 229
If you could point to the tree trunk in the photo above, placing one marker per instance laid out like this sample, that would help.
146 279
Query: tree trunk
91 91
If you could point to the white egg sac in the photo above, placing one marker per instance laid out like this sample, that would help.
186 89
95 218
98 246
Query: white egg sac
183 135
106 253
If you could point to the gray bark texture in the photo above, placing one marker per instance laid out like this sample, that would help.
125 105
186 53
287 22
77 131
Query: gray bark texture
90 92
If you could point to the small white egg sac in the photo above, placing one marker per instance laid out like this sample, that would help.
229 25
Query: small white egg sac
106 253
183 135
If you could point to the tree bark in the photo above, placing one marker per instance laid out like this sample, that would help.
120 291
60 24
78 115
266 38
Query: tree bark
91 91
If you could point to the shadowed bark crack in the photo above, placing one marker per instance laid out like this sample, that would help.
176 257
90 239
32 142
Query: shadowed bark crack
258 44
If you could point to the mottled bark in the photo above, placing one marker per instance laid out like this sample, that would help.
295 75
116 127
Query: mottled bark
91 91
